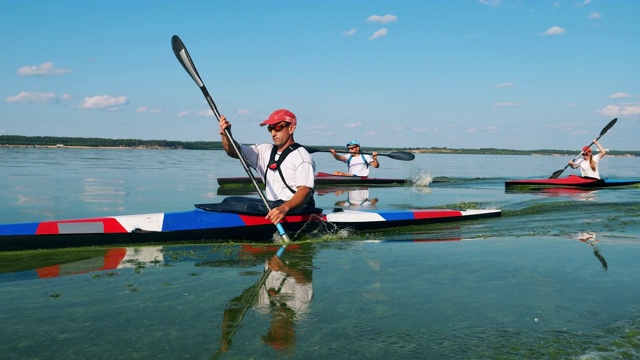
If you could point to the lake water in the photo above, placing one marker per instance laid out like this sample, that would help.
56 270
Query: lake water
556 277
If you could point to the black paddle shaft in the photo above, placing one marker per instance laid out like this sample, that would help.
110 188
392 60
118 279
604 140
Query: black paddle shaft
185 59
396 155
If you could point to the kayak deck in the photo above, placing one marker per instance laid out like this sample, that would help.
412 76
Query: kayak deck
206 226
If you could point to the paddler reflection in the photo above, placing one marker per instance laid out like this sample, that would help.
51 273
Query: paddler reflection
283 293
357 198
590 238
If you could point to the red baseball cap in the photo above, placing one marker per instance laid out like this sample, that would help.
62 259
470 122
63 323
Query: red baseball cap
279 116
586 150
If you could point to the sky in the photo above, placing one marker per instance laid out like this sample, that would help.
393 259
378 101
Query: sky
512 74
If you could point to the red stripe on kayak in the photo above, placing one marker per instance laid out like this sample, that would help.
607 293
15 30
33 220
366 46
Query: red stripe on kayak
435 214
110 225
569 180
252 220
48 272
113 257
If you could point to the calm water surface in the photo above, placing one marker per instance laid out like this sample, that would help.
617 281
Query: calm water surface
556 277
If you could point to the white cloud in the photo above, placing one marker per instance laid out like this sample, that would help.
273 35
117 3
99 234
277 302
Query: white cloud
505 84
244 112
585 2
555 30
353 125
316 127
595 15
349 33
505 104
183 114
489 129
378 34
103 102
382 19
27 97
45 69
206 113
621 110
490 2
619 95
144 109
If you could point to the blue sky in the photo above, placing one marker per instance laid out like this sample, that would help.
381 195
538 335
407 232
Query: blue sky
459 74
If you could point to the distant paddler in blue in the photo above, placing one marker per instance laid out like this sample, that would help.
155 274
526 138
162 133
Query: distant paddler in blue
357 164
589 163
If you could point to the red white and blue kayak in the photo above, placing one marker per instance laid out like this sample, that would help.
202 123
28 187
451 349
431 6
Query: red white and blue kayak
200 225
571 181
321 179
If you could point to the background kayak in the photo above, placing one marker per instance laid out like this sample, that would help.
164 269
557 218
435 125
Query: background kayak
571 181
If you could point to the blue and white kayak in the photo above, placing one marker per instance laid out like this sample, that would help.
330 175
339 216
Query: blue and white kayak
202 225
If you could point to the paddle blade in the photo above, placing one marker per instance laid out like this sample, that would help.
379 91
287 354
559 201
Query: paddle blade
556 174
609 126
400 155
185 59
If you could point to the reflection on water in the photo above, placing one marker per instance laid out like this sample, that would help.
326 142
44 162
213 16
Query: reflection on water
357 199
575 193
283 294
527 286
590 238
233 301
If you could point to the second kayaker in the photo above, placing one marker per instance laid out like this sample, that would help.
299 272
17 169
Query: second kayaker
357 164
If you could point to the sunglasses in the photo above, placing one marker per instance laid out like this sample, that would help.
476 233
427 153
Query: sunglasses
278 127
351 147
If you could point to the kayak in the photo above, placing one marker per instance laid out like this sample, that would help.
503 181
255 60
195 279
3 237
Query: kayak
571 181
321 179
203 225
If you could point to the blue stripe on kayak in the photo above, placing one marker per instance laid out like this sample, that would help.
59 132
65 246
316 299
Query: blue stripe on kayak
199 219
396 215
19 229
618 181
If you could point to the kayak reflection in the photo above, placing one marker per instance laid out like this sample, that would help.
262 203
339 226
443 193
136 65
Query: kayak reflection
579 194
57 263
283 292
590 238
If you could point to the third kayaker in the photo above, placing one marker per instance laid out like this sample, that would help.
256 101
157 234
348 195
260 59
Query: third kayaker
589 163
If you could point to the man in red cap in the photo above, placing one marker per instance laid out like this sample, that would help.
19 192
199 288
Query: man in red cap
286 168
589 163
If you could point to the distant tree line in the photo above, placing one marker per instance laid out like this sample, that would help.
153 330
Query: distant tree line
100 142
18 140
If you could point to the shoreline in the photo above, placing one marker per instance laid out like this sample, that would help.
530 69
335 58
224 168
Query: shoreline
415 151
